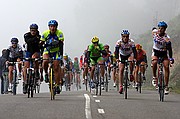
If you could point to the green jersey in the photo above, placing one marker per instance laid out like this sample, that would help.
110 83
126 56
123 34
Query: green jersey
95 50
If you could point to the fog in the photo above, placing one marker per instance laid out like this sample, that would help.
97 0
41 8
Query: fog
80 20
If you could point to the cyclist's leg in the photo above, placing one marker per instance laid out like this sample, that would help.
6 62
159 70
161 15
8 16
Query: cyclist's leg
36 64
131 67
143 69
136 74
10 77
45 65
166 68
101 63
154 70
121 71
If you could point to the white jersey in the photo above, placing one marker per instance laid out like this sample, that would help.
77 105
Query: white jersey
14 52
159 42
125 49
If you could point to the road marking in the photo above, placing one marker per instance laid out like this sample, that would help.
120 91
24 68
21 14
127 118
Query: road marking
94 96
101 111
87 107
97 100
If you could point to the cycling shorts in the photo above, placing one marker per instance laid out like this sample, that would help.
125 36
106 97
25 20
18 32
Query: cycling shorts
95 60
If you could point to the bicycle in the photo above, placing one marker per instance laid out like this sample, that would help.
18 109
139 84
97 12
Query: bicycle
97 79
161 82
14 81
32 79
126 79
106 77
140 79
77 79
67 80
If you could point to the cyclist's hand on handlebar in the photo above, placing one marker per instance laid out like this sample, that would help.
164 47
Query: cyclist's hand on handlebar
171 60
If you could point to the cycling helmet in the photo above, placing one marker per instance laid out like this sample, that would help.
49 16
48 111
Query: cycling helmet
125 32
95 39
138 47
53 22
14 40
106 46
33 26
162 24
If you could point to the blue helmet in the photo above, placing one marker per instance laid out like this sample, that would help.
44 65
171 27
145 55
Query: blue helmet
125 32
162 24
33 26
14 40
53 22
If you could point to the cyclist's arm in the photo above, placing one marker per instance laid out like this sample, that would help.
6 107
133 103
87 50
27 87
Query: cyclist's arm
169 48
7 54
61 44
134 52
117 52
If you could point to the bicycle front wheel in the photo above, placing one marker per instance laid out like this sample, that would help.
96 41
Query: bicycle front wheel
51 85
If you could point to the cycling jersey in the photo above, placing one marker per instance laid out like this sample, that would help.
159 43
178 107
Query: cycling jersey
32 42
94 51
160 43
125 49
140 55
52 41
76 66
14 53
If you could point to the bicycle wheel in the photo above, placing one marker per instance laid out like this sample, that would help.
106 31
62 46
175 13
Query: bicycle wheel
14 81
106 82
2 85
28 82
161 87
51 84
96 83
125 84
140 83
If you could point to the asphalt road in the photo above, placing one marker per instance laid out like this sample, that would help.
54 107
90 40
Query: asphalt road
83 104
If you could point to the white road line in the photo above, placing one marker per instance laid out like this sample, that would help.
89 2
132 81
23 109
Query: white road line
101 111
97 100
87 107
94 96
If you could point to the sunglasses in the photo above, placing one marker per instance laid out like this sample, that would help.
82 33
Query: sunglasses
14 43
33 30
125 36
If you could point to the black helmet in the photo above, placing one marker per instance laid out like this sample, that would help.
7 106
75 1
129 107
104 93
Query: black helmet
33 26
14 40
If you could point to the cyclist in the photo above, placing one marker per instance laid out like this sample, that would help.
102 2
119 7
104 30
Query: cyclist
67 67
162 48
14 53
141 60
114 65
32 40
76 68
2 67
85 65
95 52
123 51
53 40
107 59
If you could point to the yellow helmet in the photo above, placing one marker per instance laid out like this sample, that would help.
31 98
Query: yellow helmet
95 39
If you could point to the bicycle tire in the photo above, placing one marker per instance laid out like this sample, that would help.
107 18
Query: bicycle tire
161 87
28 83
106 83
51 84
126 84
14 81
96 83
100 86
140 82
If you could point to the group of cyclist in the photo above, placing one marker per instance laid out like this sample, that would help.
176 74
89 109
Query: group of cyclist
50 45
127 50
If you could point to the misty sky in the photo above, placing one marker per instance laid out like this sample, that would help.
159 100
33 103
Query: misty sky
80 20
